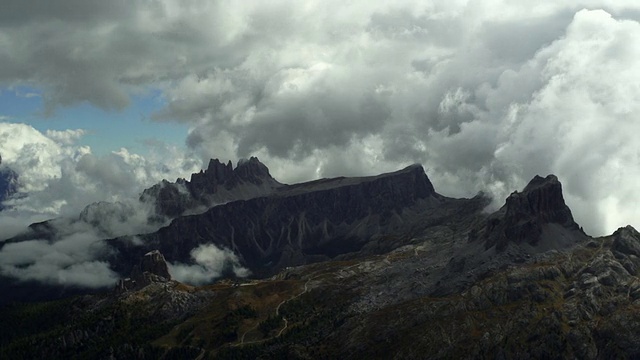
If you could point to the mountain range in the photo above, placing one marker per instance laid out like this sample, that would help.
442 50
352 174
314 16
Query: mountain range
370 267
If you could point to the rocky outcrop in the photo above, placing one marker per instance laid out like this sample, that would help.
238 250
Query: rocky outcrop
151 269
627 241
541 200
154 263
578 302
527 215
219 174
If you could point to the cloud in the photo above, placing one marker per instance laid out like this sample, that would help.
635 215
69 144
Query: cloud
30 153
61 178
211 262
484 107
92 198
580 123
66 262
484 94
13 223
65 137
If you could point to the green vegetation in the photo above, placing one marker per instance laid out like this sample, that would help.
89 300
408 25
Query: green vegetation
297 310
270 324
21 320
48 328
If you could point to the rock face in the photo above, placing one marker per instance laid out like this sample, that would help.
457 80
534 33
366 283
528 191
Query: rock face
627 241
154 263
527 215
302 223
218 183
581 302
151 269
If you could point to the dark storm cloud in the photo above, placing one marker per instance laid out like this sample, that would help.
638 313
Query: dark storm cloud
95 50
17 12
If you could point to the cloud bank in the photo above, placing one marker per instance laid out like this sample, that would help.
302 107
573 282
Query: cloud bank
92 197
69 261
484 94
61 178
211 263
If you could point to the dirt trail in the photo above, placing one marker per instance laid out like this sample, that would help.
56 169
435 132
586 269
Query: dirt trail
286 322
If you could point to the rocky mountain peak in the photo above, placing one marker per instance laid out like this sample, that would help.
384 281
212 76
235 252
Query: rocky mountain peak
526 214
217 174
307 222
219 171
153 262
252 170
419 177
219 182
541 199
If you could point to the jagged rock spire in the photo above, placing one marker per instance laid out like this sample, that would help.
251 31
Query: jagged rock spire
252 170
173 199
153 262
152 268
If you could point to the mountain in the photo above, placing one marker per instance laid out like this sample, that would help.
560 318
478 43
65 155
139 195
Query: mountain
536 216
374 267
326 219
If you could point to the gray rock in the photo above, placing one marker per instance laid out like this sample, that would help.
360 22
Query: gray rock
627 241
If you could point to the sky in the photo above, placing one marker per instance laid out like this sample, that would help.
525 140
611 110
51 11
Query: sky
101 99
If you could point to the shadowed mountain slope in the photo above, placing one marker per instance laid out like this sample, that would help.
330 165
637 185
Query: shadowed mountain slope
308 222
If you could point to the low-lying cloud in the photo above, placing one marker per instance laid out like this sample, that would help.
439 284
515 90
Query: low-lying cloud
69 261
211 263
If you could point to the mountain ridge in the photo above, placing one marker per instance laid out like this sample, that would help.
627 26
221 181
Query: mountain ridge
322 212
